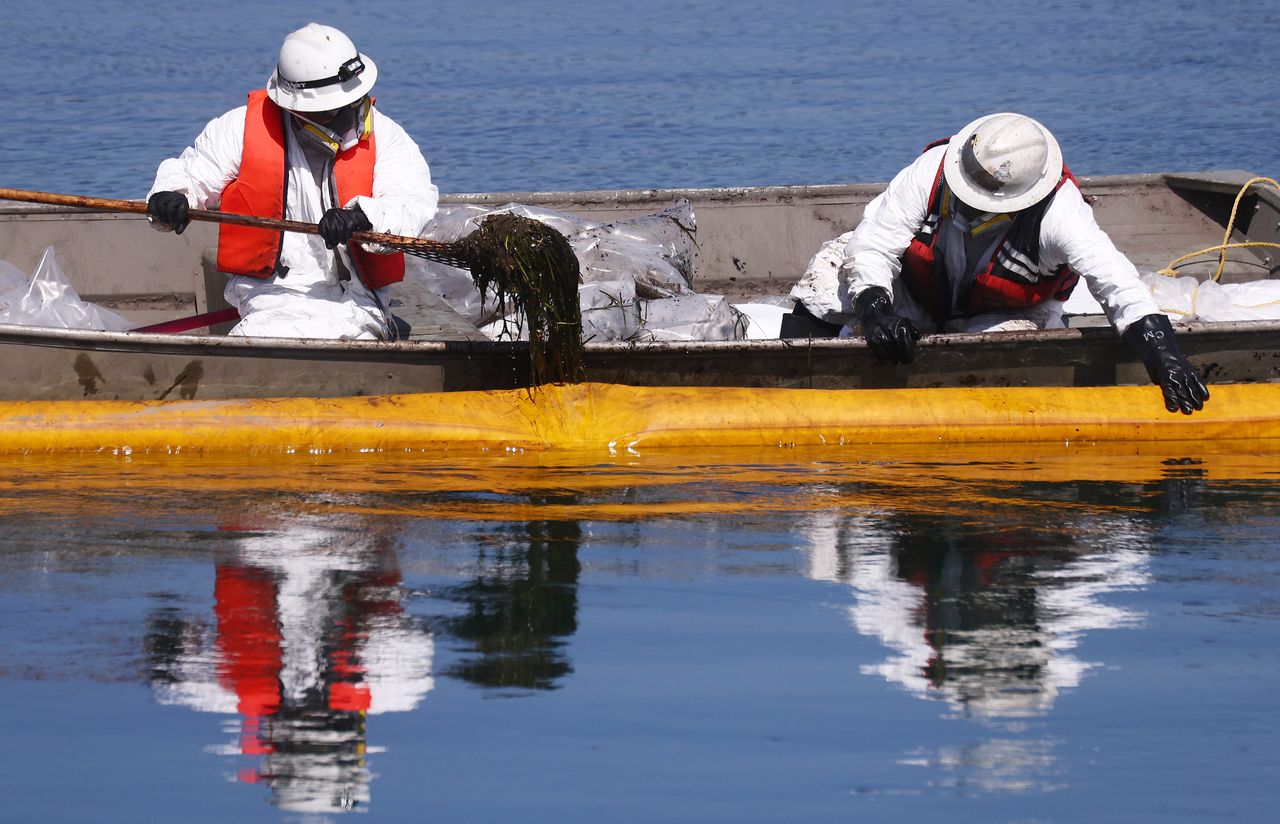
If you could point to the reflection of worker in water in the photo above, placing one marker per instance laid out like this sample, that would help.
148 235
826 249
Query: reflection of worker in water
986 624
309 639
982 605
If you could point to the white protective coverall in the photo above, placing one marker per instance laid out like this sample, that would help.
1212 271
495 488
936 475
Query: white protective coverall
310 301
871 255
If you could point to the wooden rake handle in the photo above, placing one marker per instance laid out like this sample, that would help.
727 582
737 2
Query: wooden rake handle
412 245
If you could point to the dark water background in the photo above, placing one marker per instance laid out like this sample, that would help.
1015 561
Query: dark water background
842 635
575 94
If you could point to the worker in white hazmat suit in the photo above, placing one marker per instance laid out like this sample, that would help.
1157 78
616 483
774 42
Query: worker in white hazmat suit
311 147
985 231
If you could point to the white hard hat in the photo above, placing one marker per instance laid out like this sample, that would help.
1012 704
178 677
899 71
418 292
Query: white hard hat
1003 162
319 69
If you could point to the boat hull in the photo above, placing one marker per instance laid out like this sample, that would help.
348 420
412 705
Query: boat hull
76 365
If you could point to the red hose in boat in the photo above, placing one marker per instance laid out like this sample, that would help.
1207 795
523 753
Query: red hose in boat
173 327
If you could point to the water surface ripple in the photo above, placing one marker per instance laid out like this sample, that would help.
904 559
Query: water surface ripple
1011 634
569 94
1048 635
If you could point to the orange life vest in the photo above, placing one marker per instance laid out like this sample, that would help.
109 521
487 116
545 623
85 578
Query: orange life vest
1012 279
259 190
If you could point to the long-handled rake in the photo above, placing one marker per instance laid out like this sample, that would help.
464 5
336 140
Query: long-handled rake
520 261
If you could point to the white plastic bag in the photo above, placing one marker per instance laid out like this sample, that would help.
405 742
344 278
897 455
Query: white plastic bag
1176 297
609 310
691 317
454 221
1187 299
764 320
452 285
1257 300
13 285
50 301
657 251
563 222
656 254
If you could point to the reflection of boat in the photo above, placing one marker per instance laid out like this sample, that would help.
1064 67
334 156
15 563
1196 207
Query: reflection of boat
308 640
753 242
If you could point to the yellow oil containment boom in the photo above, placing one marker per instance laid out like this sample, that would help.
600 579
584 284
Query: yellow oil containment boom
617 418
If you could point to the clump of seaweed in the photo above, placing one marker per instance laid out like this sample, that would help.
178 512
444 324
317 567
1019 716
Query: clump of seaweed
531 265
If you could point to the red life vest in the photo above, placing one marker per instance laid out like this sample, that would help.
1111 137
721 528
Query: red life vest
1012 279
249 639
259 190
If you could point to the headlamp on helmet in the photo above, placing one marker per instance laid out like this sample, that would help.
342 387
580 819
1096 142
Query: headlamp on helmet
319 69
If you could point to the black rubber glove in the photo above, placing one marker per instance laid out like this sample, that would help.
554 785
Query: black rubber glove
337 225
891 338
169 208
1152 338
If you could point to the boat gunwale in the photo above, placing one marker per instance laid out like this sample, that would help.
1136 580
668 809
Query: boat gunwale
411 351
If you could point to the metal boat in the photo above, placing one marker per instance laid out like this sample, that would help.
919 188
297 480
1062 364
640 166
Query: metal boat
753 242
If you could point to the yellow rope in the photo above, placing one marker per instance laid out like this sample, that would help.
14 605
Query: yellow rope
1221 248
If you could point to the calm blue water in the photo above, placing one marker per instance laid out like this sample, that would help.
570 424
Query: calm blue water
755 636
765 637
563 94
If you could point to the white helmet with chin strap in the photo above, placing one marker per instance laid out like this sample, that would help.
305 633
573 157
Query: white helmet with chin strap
1003 162
319 69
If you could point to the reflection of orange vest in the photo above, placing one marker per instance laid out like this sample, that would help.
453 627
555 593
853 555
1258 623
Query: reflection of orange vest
249 640
250 643
259 190
1011 280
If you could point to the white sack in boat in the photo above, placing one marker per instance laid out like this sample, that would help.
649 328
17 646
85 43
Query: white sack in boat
454 221
764 320
13 285
454 286
1188 299
609 310
1176 297
657 253
563 222
48 300
691 317
1256 300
